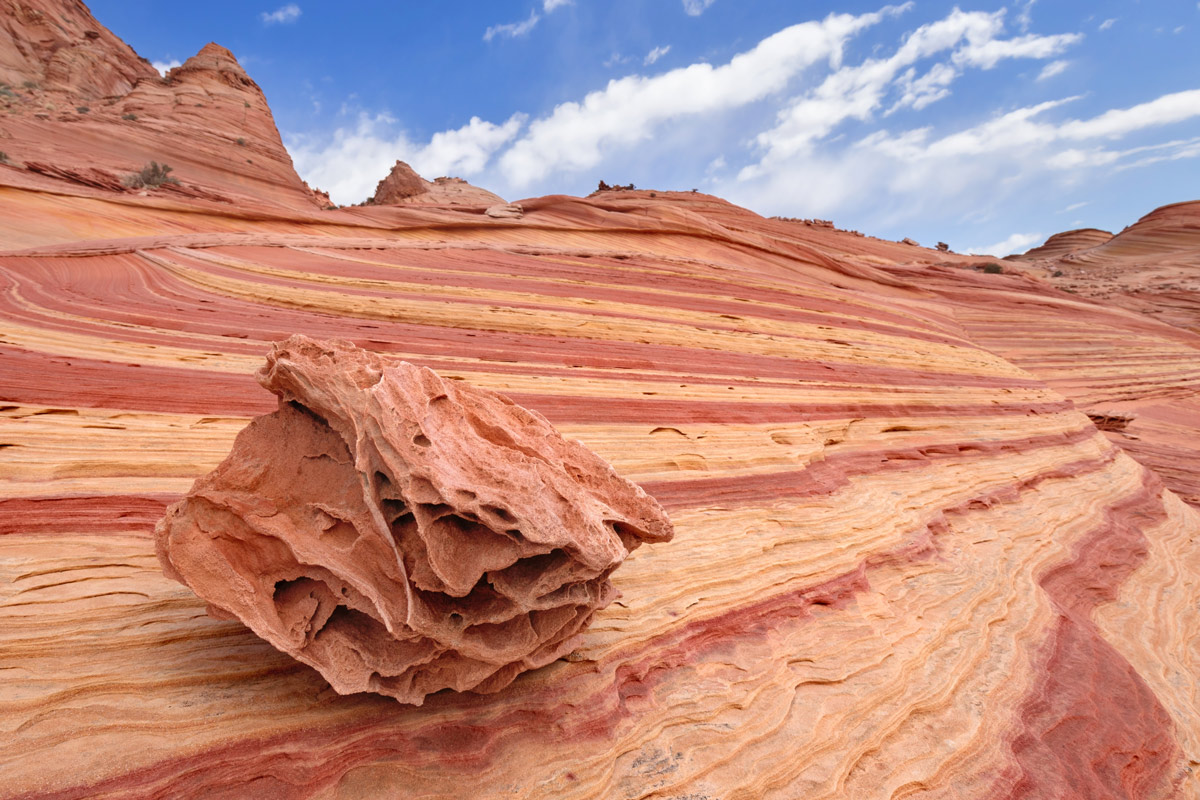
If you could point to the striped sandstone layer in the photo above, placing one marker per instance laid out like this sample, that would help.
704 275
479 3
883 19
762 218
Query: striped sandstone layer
903 563
906 562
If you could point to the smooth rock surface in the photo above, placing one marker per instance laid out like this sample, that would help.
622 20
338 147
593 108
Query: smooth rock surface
402 533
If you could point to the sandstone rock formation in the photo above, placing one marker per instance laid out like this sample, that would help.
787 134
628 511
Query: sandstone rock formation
403 533
906 562
1061 244
403 186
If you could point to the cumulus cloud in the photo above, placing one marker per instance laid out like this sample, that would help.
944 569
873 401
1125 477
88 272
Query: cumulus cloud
355 158
576 136
695 8
1052 69
282 15
164 67
512 29
656 54
1017 243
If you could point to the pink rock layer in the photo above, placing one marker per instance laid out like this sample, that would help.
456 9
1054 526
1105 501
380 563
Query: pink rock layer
402 533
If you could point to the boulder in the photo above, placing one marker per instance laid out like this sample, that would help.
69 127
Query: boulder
403 533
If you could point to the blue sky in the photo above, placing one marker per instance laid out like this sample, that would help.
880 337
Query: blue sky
986 125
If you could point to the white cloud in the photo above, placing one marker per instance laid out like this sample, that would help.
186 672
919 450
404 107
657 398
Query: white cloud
512 29
856 92
1018 242
164 67
1118 122
1052 69
1108 23
656 54
695 8
282 15
1025 17
914 174
550 5
1073 207
354 159
576 136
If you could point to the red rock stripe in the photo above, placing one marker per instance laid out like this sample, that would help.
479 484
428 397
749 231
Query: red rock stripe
716 300
1092 727
159 304
62 381
90 515
825 477
30 378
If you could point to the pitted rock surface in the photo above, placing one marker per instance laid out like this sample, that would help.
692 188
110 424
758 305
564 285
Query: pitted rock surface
403 533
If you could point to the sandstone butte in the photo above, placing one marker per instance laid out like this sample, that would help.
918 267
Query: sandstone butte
936 530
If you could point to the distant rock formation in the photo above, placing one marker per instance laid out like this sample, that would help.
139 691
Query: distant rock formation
403 533
1060 244
403 186
80 100
59 48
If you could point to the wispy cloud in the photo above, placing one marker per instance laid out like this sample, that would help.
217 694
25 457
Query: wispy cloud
1073 207
550 5
282 15
695 8
512 30
1108 23
1017 243
164 67
1052 69
656 54
1025 16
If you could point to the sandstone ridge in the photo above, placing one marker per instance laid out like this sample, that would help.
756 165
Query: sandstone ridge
402 533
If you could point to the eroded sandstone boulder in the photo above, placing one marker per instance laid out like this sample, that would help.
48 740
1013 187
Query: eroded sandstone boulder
403 533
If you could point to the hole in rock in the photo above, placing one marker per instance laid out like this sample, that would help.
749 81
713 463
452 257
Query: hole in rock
421 440
502 513
384 486
393 509
303 409
630 536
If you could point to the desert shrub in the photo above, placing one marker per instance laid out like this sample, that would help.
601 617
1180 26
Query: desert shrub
241 141
31 85
993 269
1058 273
3 157
82 109
152 175
130 117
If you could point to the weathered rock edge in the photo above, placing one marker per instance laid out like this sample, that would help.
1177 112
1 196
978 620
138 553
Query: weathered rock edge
403 533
